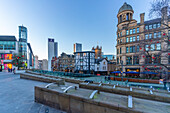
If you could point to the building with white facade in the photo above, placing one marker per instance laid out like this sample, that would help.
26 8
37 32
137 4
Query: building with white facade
84 62
44 64
52 51
101 66
36 62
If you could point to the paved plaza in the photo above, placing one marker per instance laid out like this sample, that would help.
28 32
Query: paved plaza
17 95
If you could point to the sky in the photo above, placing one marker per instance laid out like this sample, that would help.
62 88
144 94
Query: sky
90 22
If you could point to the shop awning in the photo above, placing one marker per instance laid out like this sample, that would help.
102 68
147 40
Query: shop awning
148 72
116 72
132 72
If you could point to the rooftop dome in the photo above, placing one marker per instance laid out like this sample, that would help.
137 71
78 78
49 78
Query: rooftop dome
125 7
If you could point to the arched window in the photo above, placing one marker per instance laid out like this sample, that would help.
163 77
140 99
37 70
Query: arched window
120 18
127 16
130 16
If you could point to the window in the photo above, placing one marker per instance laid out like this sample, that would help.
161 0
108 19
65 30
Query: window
127 32
130 39
158 25
138 30
146 27
120 33
127 16
146 36
135 60
169 59
150 26
152 47
120 50
159 34
158 46
127 49
130 31
147 47
157 59
134 39
132 49
128 60
120 18
154 26
137 38
155 35
117 60
134 30
150 35
127 39
148 60
137 49
117 51
120 40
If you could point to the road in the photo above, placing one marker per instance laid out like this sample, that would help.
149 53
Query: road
17 95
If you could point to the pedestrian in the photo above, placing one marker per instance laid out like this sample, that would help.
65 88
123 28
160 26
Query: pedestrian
14 70
164 82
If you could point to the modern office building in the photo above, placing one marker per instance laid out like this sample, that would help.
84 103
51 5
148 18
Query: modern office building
23 42
52 51
40 64
135 38
77 47
84 62
8 47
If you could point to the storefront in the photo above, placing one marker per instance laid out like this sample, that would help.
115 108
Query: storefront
133 70
5 62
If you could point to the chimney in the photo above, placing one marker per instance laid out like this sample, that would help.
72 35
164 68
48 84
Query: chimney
164 14
142 15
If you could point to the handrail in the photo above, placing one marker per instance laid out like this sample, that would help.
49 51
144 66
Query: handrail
65 91
130 105
151 92
48 85
130 88
93 93
114 86
100 84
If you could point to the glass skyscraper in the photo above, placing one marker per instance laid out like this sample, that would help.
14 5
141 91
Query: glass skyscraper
23 42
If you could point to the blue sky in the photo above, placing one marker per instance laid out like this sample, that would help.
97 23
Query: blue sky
89 22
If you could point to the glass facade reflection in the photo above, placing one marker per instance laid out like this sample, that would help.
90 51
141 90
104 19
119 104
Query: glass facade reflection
7 45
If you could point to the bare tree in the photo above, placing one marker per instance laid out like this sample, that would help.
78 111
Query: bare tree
156 7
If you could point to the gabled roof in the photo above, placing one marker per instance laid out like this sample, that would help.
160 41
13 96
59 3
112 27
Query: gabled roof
7 38
97 61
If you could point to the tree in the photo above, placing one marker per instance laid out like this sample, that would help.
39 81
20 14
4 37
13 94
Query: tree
156 7
18 60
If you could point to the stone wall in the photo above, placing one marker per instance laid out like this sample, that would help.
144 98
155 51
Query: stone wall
74 104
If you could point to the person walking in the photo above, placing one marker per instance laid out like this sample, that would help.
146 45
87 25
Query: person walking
14 70
164 82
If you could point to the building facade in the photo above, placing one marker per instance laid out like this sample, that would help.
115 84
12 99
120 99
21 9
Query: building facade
36 62
101 66
84 62
64 62
98 52
23 42
8 47
135 40
77 47
52 51
45 65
